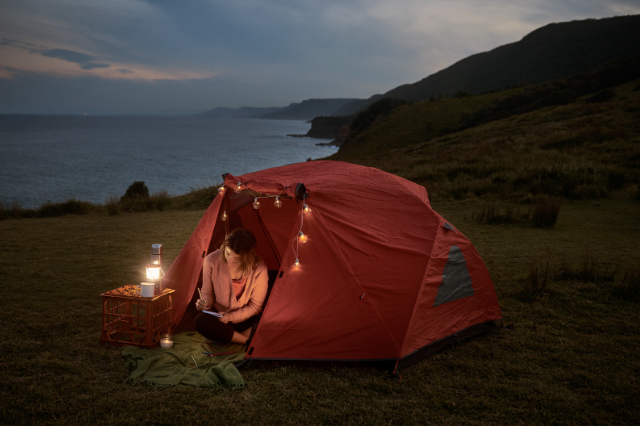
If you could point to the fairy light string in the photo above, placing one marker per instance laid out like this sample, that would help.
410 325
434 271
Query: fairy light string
304 209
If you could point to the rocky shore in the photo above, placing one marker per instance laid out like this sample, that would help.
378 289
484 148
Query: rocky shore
328 127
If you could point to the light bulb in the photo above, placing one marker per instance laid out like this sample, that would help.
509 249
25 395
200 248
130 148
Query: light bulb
277 203
224 216
296 264
302 238
256 203
153 272
306 209
239 187
221 190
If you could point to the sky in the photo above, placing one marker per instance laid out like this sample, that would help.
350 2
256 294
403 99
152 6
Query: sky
188 56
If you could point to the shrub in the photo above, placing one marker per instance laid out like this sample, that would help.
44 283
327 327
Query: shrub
374 112
538 276
589 268
628 287
197 198
494 214
602 96
69 207
112 204
158 201
135 190
545 213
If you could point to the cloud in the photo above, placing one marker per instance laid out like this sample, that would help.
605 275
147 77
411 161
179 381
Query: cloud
263 52
87 61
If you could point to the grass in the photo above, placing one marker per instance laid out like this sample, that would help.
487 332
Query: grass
578 151
196 198
573 357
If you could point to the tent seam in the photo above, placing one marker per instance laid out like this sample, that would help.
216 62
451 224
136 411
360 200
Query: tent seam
417 300
342 256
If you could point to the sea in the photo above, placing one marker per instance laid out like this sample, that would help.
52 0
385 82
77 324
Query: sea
89 158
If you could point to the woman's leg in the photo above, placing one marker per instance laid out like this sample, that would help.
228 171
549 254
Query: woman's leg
240 338
211 328
243 329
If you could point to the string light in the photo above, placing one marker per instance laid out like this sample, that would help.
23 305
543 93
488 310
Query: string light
256 203
296 264
306 209
221 190
302 238
224 216
277 204
239 187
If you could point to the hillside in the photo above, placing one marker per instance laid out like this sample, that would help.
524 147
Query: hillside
308 109
584 149
242 112
305 110
554 51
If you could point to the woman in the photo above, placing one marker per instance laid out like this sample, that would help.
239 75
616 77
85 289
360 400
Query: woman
234 284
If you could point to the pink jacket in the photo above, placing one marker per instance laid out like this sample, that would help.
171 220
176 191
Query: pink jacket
217 289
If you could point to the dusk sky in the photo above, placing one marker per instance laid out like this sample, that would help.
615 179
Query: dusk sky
140 57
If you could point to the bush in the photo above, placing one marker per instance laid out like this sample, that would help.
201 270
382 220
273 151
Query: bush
538 277
158 201
112 205
545 212
374 112
69 207
196 198
136 190
602 96
494 214
15 212
628 287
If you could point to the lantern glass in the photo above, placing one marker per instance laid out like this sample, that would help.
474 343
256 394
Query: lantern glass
154 272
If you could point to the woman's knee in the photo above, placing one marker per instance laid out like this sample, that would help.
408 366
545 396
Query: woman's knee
200 321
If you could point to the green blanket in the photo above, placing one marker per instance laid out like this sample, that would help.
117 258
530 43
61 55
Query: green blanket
171 367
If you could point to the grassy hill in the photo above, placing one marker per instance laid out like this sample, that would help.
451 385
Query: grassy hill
554 51
585 149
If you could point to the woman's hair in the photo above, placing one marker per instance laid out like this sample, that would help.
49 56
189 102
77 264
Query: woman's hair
243 243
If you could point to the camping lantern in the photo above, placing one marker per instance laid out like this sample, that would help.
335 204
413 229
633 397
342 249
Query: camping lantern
256 203
154 270
277 204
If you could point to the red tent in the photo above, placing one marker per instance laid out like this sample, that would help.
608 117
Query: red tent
381 275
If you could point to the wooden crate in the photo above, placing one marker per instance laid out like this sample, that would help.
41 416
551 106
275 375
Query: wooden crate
129 319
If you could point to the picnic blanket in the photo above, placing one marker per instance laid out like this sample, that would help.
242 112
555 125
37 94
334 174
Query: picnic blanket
160 368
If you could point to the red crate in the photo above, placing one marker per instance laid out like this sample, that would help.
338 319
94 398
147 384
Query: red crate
129 319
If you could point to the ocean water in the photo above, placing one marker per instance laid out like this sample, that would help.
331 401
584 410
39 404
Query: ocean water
55 158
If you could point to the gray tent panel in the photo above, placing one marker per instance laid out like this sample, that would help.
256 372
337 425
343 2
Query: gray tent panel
456 281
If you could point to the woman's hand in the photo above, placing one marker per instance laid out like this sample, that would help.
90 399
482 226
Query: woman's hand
201 304
225 318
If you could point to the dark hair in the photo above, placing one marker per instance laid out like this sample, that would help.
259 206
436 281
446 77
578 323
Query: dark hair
243 243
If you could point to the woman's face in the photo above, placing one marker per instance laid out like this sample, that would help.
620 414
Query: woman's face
231 255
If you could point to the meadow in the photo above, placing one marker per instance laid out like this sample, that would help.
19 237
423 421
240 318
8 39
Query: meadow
572 358
570 287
